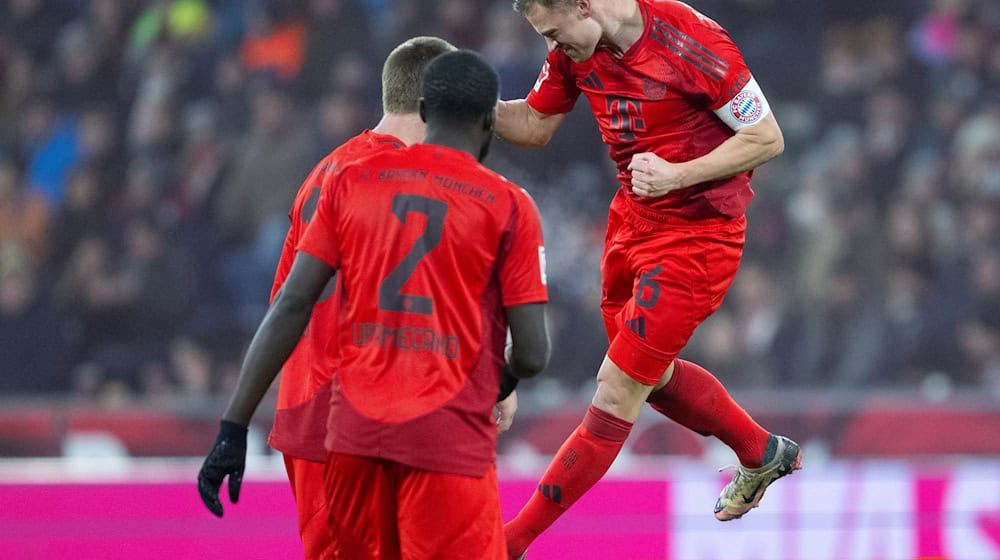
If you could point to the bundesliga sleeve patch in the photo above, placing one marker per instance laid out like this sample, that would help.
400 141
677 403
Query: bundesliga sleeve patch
747 108
541 264
542 76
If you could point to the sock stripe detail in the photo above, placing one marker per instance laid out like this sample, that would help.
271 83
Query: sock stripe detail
605 425
552 492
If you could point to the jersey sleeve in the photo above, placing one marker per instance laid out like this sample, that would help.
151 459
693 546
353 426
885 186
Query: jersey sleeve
713 65
522 255
555 92
320 237
287 256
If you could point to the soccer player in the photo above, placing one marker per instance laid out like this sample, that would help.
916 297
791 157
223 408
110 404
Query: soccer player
304 390
436 256
686 123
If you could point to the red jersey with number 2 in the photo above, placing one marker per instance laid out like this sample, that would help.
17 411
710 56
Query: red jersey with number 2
430 247
303 393
660 97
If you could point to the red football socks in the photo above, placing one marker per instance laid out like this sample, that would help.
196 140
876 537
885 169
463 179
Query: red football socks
695 399
578 465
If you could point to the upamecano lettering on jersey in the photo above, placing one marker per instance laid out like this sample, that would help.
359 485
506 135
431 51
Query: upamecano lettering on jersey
406 337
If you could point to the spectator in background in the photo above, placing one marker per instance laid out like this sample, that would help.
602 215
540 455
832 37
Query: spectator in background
201 166
505 47
128 308
461 21
83 213
51 146
333 29
24 214
228 91
33 356
84 75
32 24
762 327
21 82
882 107
887 141
275 41
338 117
910 348
254 198
82 289
353 72
979 344
100 143
168 21
840 338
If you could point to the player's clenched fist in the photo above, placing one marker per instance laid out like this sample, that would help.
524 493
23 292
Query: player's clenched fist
227 458
653 175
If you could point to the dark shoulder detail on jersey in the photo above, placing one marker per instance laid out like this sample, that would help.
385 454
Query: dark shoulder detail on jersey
593 81
688 49
396 144
309 207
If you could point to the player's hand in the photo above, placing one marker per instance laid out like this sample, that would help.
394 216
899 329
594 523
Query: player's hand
227 458
654 176
505 411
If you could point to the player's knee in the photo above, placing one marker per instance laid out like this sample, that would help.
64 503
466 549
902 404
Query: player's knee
667 375
618 394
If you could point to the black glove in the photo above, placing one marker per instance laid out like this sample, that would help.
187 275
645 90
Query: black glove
228 457
507 383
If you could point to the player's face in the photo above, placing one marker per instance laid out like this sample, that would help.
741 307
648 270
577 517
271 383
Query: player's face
566 27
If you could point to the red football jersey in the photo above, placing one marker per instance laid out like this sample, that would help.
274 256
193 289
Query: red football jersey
661 97
303 393
430 246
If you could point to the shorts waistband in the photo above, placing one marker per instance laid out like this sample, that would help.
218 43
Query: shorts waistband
651 216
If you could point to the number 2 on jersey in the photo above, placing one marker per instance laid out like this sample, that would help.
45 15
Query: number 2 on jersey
390 296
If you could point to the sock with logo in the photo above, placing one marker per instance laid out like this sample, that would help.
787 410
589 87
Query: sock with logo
695 399
578 465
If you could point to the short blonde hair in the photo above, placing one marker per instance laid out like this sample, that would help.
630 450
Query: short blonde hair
522 6
403 72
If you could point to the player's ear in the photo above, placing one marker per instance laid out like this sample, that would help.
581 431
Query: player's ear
584 7
490 121
422 109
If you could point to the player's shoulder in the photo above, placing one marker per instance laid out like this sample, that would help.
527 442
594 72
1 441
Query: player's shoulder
680 14
497 179
518 195
337 158
364 145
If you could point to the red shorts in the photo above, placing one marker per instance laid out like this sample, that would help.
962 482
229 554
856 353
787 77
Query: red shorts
661 277
309 488
382 510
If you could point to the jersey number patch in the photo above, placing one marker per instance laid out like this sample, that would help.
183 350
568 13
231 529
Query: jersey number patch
390 296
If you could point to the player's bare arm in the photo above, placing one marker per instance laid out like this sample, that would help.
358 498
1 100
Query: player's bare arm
278 334
521 125
749 148
276 337
526 356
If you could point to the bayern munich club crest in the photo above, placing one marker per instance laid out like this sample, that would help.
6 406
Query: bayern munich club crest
746 107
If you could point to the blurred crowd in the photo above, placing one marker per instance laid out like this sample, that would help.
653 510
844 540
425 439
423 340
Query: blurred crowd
150 151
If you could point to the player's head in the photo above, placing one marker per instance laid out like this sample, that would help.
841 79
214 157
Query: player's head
567 25
460 96
403 73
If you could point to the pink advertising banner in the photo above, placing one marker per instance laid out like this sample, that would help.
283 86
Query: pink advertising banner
871 510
